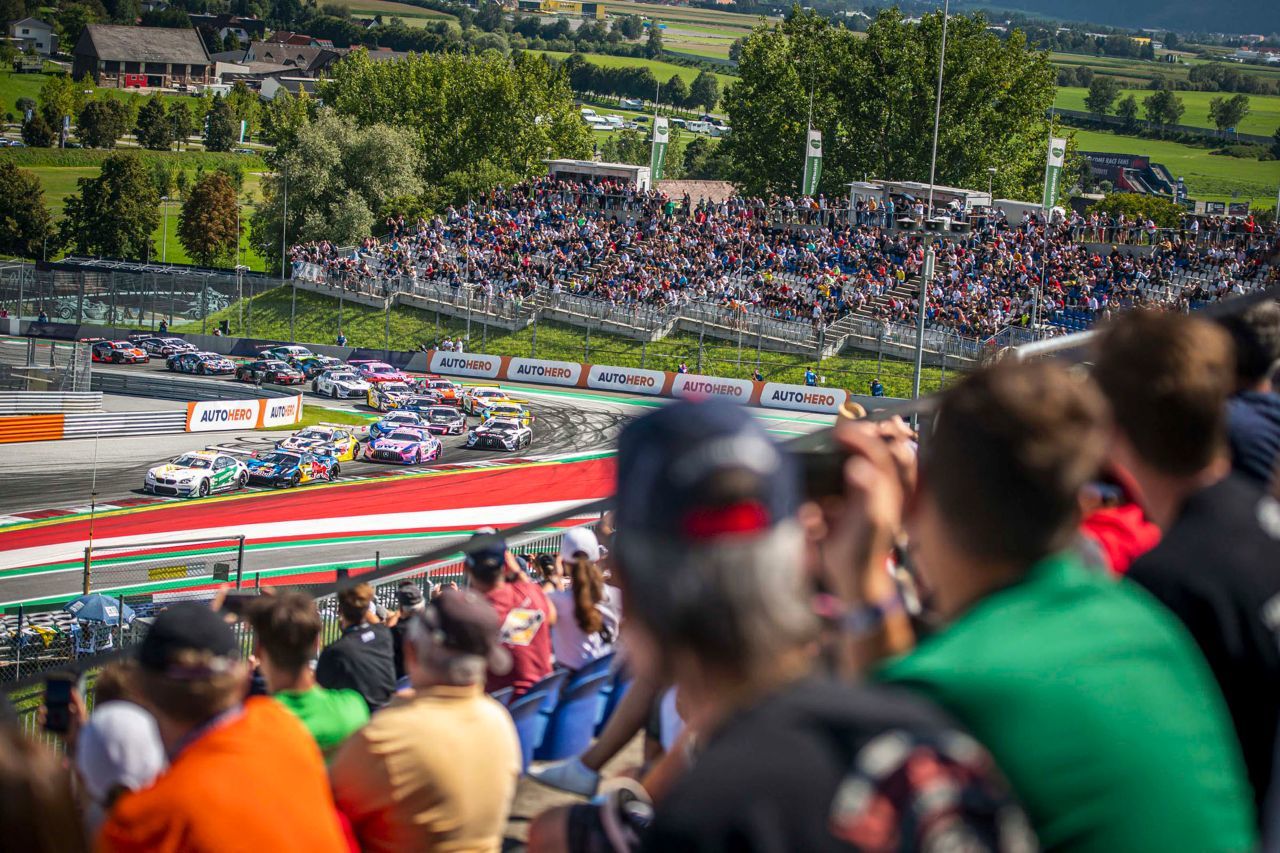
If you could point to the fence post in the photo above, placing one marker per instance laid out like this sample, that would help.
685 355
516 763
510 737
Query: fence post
80 299
377 561
644 353
120 619
204 306
702 331
17 646
85 583
533 342
386 328
239 562
586 352
21 280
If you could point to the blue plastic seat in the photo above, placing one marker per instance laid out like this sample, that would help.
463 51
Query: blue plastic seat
573 722
532 711
503 696
622 681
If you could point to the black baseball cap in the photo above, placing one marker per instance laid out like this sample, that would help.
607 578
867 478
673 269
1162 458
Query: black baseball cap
486 553
462 621
697 472
188 627
408 594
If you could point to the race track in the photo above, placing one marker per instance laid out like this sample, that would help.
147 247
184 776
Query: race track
312 531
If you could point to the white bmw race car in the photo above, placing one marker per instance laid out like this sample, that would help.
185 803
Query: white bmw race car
340 383
500 434
196 475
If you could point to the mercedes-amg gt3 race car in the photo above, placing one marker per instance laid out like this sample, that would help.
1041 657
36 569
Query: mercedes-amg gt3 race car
385 396
406 446
340 382
500 434
197 474
200 363
326 439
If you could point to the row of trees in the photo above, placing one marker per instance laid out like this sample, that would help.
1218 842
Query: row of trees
641 83
1163 107
115 213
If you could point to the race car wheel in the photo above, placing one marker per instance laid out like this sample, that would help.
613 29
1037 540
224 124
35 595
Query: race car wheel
200 368
244 479
203 490
333 392
293 481
337 469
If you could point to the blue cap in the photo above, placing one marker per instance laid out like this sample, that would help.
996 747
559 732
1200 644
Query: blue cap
695 472
486 553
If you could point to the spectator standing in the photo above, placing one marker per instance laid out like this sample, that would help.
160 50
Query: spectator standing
436 770
877 390
363 658
524 614
411 602
342 339
164 326
684 368
596 607
1050 665
810 378
42 317
286 630
710 554
243 773
1253 411
1218 564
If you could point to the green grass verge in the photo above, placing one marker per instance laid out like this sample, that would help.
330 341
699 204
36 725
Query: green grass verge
1263 117
317 322
312 415
186 160
388 9
661 70
1209 176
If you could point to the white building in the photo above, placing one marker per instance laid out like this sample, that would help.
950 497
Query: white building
33 32
584 171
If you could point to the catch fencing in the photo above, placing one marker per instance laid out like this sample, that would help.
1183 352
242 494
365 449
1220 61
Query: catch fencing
44 365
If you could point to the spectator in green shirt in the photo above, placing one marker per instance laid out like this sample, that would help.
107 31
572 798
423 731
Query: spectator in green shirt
287 631
1089 695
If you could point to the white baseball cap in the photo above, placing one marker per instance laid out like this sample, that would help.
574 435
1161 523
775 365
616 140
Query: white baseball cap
579 540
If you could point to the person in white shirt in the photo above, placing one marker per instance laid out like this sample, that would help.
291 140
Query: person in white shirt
595 605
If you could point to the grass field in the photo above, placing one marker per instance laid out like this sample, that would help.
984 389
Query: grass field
710 18
1263 117
316 322
1208 177
413 16
661 70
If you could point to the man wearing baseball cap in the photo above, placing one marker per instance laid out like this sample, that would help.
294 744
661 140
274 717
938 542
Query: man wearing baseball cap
525 614
710 554
436 770
243 773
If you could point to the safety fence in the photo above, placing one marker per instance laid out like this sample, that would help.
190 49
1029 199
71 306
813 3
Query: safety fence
53 640
49 402
32 365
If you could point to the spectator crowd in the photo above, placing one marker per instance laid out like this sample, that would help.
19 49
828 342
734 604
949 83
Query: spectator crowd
799 259
1048 620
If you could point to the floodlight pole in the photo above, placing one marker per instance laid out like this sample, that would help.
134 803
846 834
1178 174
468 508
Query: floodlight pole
929 259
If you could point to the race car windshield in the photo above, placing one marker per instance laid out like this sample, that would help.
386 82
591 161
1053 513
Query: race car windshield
192 462
440 383
381 368
502 427
343 377
420 401
276 365
405 436
314 433
279 458
441 415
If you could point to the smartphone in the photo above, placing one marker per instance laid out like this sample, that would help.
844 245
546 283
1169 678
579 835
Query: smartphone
237 603
57 702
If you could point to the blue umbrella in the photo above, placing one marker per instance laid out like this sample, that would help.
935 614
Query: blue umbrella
97 607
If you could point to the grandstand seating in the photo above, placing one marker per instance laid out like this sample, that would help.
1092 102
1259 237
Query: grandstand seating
532 711
572 723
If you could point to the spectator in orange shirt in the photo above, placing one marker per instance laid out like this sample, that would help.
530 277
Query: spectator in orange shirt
243 774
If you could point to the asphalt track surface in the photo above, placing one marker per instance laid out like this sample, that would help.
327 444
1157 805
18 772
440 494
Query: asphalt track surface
39 475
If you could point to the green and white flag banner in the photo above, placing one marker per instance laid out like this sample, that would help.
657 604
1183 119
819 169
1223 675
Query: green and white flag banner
812 162
1053 171
658 156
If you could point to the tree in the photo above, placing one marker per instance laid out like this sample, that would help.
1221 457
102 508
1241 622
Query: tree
1103 92
1228 112
630 26
24 221
114 214
676 91
705 91
1127 110
24 104
735 49
123 11
37 133
1163 108
244 107
61 96
209 227
465 110
12 10
220 126
154 128
653 44
101 122
1165 212
873 100
1275 152
72 18
284 116
231 41
181 122
341 179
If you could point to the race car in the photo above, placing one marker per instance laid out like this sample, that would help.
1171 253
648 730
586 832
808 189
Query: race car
421 403
200 363
474 395
327 439
502 408
406 446
340 382
446 420
164 346
385 396
394 421
446 390
285 352
500 434
118 352
269 370
313 365
196 475
290 468
377 371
